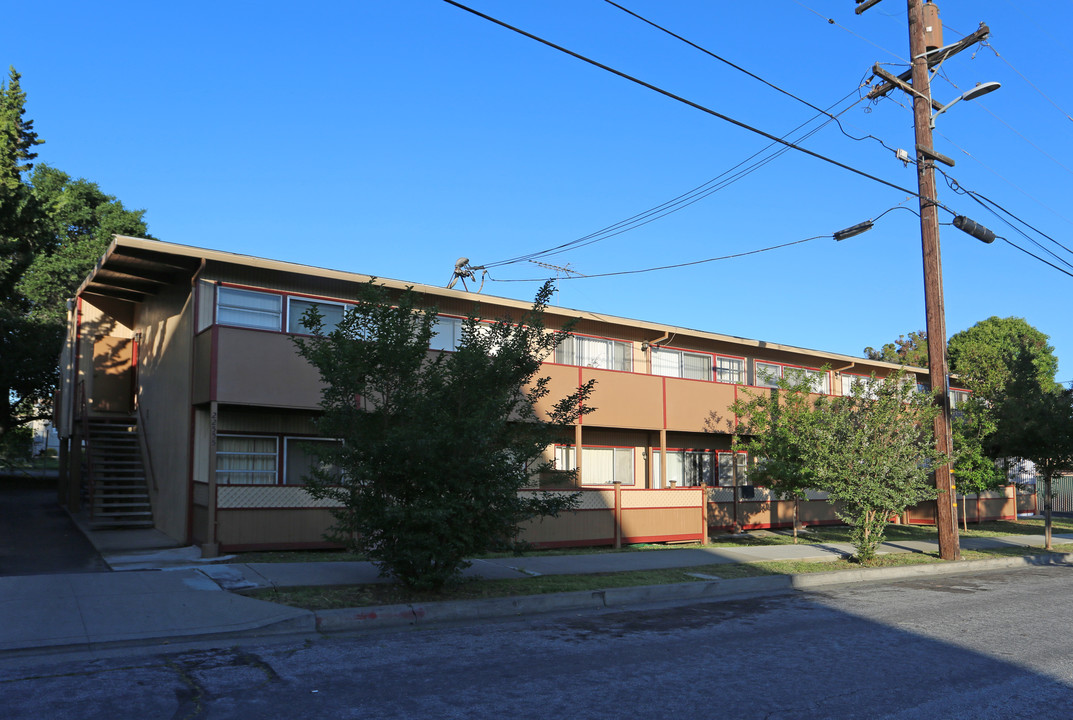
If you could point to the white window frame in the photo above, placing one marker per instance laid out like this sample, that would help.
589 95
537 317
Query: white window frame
455 326
659 366
274 455
739 459
294 320
720 370
622 463
764 377
568 352
224 307
958 396
682 480
867 382
287 439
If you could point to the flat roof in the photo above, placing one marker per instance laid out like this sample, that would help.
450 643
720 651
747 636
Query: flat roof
133 269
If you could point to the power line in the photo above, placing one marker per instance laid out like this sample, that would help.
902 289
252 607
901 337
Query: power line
1032 84
1026 252
988 204
747 72
677 203
690 103
831 21
1005 179
732 256
667 267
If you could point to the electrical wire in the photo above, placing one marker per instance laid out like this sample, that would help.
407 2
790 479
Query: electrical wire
747 72
831 21
579 276
720 182
1035 87
1026 252
989 205
665 267
690 103
1005 179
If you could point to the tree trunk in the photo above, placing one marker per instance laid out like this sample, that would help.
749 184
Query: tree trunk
1047 510
797 503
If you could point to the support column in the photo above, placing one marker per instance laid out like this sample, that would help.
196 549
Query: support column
577 454
211 547
618 514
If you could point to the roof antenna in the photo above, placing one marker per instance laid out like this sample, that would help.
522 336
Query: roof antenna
464 270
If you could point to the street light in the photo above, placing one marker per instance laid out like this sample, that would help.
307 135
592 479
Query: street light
972 94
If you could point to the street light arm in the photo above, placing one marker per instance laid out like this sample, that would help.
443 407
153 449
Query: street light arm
971 94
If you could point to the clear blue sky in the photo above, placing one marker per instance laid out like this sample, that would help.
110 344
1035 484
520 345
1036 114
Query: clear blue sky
390 138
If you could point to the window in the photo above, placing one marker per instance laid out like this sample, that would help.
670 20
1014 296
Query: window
599 465
446 334
247 308
867 383
681 364
730 370
299 460
243 460
733 466
958 397
595 353
686 468
331 314
768 375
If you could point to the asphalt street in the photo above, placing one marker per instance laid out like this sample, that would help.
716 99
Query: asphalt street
38 537
986 646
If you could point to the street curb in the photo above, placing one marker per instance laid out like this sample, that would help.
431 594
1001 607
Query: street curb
304 623
367 619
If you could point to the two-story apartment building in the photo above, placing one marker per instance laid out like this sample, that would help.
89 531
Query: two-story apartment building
184 405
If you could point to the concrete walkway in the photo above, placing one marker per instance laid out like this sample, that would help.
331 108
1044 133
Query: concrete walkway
159 593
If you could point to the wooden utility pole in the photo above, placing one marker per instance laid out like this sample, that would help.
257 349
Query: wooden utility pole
946 524
920 90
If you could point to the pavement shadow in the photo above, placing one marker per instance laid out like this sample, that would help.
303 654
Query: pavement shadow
38 537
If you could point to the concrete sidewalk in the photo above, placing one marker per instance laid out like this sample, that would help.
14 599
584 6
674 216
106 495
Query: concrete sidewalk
163 594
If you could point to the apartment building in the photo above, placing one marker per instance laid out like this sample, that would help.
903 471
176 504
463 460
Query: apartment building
183 404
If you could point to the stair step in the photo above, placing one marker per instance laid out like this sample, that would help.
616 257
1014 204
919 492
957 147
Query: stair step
120 494
132 524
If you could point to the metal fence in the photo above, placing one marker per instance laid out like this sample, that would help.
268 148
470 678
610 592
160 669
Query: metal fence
1061 494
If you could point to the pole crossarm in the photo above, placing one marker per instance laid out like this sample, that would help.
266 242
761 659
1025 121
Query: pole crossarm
934 57
896 82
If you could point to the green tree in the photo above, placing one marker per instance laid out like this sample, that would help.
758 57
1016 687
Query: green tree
872 452
17 136
20 238
79 222
911 350
53 229
435 445
1035 423
983 355
776 426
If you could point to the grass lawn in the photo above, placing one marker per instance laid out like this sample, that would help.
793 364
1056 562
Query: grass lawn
347 596
815 534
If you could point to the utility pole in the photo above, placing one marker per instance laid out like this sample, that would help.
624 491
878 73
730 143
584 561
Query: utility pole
949 547
920 90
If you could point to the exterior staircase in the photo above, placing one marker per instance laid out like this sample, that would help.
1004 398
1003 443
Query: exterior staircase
118 492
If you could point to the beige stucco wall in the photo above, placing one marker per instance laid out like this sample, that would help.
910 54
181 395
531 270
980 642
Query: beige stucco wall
164 388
